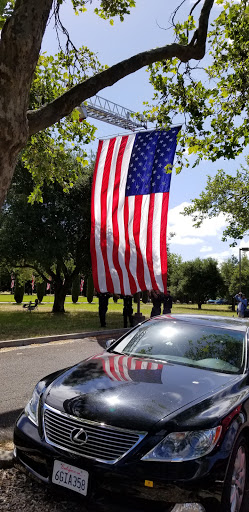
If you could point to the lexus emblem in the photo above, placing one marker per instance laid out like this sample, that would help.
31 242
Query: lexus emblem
78 436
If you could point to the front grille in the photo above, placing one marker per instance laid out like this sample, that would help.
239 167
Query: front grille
104 443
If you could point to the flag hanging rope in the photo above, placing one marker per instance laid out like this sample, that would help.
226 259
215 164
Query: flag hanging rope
129 209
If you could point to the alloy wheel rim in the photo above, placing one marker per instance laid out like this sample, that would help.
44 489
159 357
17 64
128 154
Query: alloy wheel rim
238 480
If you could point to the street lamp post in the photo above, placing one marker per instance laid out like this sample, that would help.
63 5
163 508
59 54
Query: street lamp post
245 249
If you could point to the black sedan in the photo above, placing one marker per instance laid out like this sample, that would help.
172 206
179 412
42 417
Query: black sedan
162 414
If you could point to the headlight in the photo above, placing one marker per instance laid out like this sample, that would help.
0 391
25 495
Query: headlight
181 446
31 408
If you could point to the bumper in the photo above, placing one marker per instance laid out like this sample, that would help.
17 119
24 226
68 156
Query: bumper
188 482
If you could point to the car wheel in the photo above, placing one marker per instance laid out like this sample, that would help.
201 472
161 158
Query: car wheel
236 481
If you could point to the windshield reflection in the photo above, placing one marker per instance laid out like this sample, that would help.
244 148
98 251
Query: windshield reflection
181 342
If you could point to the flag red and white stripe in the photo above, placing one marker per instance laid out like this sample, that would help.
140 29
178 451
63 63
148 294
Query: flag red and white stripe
128 231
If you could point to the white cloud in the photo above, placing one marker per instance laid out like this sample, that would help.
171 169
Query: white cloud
221 256
228 253
207 237
206 248
186 240
183 226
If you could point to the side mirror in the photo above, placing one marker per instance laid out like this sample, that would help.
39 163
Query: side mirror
108 343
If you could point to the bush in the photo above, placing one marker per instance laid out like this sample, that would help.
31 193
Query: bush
19 291
40 290
84 291
75 289
90 289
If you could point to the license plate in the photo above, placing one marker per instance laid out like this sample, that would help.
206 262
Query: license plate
70 477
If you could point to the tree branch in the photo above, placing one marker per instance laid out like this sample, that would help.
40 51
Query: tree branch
64 104
34 267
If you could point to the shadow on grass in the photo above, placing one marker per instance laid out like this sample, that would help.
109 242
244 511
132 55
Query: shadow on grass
16 325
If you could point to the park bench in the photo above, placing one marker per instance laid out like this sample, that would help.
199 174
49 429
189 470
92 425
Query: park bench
31 305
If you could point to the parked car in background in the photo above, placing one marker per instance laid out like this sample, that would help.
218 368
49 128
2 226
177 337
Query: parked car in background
211 301
162 414
221 301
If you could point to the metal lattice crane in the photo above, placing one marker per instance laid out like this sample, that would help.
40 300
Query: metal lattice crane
112 113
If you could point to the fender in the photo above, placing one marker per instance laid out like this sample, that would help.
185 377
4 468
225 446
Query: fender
234 429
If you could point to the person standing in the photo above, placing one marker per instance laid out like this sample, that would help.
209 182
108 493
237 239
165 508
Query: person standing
127 310
103 307
156 299
167 303
242 304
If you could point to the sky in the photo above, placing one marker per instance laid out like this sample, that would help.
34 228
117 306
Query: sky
148 27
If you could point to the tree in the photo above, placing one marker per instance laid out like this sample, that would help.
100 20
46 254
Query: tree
24 23
46 155
90 288
75 289
228 195
213 100
40 290
19 289
174 274
50 237
200 280
5 276
231 276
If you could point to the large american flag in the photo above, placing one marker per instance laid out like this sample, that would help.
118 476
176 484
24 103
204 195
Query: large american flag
130 196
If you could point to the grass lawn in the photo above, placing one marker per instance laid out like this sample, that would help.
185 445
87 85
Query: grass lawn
16 322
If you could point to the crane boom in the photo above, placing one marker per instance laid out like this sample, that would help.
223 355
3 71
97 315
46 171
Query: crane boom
110 112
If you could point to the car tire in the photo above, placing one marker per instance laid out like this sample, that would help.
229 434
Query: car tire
236 482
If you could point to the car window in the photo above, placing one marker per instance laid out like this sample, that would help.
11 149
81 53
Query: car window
180 342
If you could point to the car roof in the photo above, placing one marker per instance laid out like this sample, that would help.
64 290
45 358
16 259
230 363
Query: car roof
231 323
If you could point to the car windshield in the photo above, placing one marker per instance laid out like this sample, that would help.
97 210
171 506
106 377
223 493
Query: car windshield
212 348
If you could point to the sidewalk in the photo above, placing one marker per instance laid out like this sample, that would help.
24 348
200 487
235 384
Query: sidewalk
6 456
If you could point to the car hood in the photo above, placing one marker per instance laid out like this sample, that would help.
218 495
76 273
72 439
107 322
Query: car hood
131 392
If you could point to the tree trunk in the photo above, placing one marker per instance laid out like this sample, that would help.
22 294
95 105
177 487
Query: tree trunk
20 45
60 292
199 304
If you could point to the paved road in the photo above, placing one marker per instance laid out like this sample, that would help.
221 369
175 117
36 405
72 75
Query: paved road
22 367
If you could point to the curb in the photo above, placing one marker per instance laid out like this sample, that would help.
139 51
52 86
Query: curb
6 459
58 337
